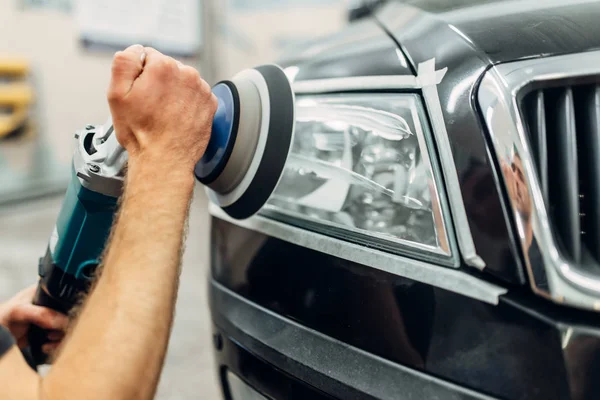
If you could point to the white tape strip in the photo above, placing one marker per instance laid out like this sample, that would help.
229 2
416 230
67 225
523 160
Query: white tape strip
446 278
428 78
379 82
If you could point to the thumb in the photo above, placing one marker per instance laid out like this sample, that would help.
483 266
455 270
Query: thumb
126 67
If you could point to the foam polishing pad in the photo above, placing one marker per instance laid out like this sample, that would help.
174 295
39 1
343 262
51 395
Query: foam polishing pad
250 141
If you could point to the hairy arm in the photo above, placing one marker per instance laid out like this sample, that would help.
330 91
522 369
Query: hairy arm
162 112
118 345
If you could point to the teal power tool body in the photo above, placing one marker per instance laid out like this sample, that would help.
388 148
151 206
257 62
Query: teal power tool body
250 140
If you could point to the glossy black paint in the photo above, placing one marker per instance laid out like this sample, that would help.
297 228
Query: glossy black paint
424 37
363 49
320 361
512 350
507 31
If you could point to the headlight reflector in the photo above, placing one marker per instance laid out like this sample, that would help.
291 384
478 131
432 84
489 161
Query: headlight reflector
360 168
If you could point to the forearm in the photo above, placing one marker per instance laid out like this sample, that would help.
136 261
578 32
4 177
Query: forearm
117 347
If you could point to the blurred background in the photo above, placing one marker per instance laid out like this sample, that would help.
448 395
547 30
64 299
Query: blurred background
55 58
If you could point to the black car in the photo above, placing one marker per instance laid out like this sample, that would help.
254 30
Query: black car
436 232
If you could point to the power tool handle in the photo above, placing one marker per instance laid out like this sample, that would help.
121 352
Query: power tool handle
37 336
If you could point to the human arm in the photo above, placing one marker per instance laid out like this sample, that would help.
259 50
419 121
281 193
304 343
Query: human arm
162 112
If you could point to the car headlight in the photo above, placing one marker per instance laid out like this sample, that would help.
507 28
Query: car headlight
359 168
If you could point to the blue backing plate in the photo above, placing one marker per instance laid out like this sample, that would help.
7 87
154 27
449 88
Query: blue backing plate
224 132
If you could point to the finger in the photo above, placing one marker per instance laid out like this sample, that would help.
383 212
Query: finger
152 55
159 65
22 342
187 70
40 316
50 348
56 336
126 67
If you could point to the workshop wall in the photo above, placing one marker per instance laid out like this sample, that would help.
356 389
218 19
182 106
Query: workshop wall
68 82
256 32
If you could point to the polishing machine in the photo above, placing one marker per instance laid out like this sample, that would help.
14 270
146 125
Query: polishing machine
243 162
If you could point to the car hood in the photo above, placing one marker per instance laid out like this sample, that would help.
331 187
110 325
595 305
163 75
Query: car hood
360 49
504 31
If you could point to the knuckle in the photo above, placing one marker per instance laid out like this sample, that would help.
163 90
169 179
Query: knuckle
191 75
165 63
13 313
152 50
199 82
45 314
166 66
17 313
205 86
114 96
117 55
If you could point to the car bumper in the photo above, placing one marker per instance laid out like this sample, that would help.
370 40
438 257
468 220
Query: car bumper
282 359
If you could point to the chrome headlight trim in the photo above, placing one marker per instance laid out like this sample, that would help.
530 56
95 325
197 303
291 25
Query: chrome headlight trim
499 97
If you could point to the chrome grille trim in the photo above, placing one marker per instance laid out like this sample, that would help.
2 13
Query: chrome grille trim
499 96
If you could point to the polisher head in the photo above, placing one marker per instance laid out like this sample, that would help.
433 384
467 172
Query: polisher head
250 141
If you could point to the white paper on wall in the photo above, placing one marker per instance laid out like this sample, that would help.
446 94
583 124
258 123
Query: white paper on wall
171 26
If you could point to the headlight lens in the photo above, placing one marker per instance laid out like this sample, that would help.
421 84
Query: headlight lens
359 167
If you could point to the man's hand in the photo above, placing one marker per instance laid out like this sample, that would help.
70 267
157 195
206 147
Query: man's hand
18 314
162 110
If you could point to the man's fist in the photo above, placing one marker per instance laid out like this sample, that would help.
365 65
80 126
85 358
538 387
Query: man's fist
162 110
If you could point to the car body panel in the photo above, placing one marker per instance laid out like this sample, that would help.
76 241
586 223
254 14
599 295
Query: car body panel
524 347
512 350
516 29
363 49
424 37
246 333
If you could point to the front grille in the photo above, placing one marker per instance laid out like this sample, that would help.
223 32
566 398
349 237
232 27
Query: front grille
563 124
